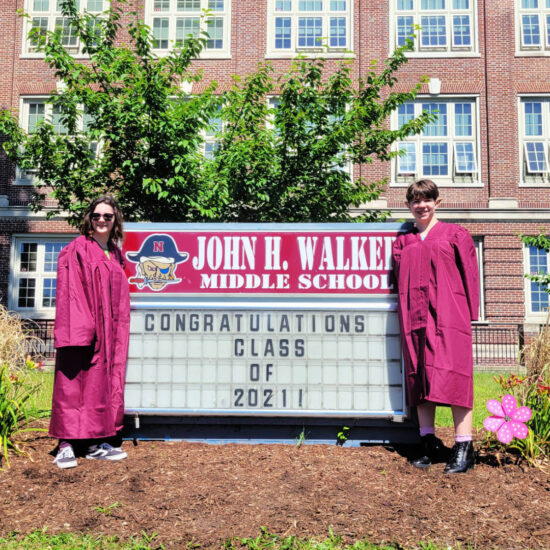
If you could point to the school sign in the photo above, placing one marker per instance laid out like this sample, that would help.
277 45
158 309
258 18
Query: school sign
273 321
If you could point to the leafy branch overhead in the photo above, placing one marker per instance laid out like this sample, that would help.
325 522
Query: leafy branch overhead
542 242
280 149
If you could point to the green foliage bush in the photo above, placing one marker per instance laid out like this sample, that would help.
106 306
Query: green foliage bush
284 164
17 409
533 391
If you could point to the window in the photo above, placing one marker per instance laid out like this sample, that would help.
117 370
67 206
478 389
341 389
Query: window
309 26
536 260
534 127
34 110
173 21
533 27
447 150
34 274
46 15
447 27
478 243
343 163
211 137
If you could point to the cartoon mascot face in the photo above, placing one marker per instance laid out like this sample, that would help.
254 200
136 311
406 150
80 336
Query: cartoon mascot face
157 260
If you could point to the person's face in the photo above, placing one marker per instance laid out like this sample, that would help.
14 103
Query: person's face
103 220
422 209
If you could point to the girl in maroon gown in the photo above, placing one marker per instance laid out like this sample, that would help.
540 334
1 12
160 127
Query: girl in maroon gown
438 283
92 323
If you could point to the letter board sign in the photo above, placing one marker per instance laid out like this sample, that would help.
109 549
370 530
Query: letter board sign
268 319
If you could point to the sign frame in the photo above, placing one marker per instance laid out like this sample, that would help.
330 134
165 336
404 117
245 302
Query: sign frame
277 421
168 301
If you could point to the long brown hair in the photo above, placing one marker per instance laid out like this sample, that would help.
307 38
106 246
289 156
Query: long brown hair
117 232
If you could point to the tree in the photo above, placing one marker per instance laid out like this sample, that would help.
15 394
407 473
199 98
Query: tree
296 167
133 107
271 164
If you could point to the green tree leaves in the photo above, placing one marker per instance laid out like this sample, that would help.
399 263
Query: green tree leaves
286 163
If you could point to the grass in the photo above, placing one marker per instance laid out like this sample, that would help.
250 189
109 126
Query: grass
39 540
484 388
42 400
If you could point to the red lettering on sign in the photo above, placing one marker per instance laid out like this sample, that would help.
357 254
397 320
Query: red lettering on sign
158 246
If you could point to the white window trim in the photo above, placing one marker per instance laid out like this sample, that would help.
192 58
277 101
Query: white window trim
26 50
541 50
321 52
224 53
478 242
27 177
522 139
37 312
531 316
449 52
213 138
526 153
448 180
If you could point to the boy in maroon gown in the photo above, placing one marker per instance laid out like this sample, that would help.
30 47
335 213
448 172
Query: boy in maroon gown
438 283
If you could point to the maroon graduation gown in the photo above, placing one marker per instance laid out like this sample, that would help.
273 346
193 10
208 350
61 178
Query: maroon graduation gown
92 326
438 284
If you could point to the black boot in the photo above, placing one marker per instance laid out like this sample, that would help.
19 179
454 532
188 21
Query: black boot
462 458
431 448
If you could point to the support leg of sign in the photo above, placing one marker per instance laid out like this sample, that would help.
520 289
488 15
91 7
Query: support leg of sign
249 430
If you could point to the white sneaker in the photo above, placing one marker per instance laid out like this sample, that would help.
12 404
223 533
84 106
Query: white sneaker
65 457
104 451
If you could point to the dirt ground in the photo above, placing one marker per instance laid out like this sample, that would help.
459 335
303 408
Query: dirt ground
204 494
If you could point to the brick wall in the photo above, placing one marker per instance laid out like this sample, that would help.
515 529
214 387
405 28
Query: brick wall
496 77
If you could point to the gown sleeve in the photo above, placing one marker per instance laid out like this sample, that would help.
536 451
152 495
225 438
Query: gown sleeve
397 247
467 265
74 318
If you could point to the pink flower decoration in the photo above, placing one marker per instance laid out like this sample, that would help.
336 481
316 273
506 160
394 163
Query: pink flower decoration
507 420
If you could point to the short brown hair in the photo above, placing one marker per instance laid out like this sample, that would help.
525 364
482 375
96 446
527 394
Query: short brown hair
422 189
117 232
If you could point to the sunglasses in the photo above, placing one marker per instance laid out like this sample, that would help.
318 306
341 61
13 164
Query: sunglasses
107 217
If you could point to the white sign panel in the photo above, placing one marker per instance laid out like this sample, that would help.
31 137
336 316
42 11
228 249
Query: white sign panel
296 362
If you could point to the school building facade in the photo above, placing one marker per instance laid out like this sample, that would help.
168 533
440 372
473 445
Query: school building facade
488 70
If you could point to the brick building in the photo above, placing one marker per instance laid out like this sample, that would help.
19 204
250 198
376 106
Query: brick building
488 65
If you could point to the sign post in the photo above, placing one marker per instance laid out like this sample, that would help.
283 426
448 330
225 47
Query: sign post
264 333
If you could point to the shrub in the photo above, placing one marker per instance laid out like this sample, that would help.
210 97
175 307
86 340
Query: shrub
16 410
16 343
533 391
15 413
537 354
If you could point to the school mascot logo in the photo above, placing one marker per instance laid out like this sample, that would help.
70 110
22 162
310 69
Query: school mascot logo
156 262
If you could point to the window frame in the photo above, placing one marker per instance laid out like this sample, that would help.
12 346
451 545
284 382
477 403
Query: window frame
454 178
530 315
211 137
51 15
294 14
450 49
526 177
478 243
26 177
542 12
172 14
272 102
38 311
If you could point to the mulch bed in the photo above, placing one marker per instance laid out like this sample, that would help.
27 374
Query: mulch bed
205 494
